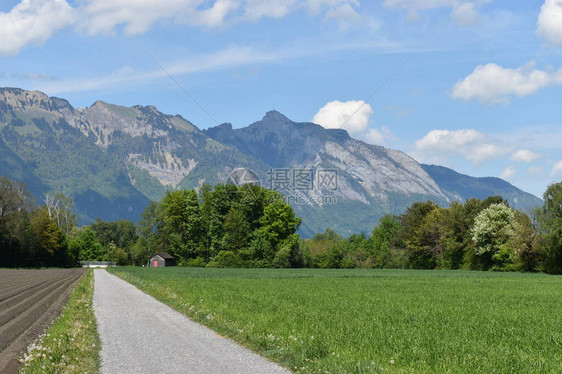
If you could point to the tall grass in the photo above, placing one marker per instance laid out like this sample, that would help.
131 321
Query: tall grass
71 344
368 321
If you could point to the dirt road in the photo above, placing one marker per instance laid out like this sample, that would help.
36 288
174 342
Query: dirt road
29 300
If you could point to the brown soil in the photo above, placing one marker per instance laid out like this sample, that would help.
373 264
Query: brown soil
29 301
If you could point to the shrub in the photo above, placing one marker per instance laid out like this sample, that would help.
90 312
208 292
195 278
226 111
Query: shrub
198 262
282 258
224 259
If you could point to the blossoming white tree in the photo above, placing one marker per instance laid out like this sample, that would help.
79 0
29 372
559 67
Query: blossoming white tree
493 228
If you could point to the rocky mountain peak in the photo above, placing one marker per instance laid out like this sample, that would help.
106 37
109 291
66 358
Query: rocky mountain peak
121 156
98 104
61 104
275 116
19 100
277 123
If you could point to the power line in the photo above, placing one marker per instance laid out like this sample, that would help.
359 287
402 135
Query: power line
377 90
183 88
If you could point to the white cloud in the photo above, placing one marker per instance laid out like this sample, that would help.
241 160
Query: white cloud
342 10
343 13
439 145
549 23
35 21
103 16
257 9
138 16
316 6
374 136
508 173
355 117
32 22
337 114
379 137
419 4
492 83
557 169
448 140
465 14
485 152
524 155
214 16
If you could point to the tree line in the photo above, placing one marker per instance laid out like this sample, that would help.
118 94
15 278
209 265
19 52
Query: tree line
33 235
250 226
477 234
224 226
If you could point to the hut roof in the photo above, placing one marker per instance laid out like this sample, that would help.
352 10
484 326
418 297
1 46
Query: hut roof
164 255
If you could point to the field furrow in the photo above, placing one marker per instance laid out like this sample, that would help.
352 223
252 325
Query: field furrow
19 294
29 299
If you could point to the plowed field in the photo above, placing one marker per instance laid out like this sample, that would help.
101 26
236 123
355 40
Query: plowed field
29 300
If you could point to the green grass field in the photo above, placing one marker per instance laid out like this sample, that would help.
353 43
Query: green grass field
369 321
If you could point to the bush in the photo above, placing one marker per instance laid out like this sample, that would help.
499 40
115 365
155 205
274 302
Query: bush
198 262
553 252
224 259
347 263
282 258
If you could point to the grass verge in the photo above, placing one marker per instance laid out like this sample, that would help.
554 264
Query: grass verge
371 321
71 344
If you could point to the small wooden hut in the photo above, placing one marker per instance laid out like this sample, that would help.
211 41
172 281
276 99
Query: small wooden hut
161 259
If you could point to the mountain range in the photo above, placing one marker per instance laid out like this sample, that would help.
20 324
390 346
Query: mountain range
112 160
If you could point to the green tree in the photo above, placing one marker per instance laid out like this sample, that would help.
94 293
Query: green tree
412 219
320 245
151 237
526 244
118 239
122 233
85 242
383 236
408 236
550 219
16 209
216 205
357 252
224 259
460 234
182 223
278 222
427 245
236 229
51 248
457 237
117 255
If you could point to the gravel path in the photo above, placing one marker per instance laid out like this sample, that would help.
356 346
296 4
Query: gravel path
142 335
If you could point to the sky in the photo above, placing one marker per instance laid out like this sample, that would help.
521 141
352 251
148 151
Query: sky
475 85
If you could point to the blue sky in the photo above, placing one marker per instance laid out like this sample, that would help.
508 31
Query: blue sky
480 93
